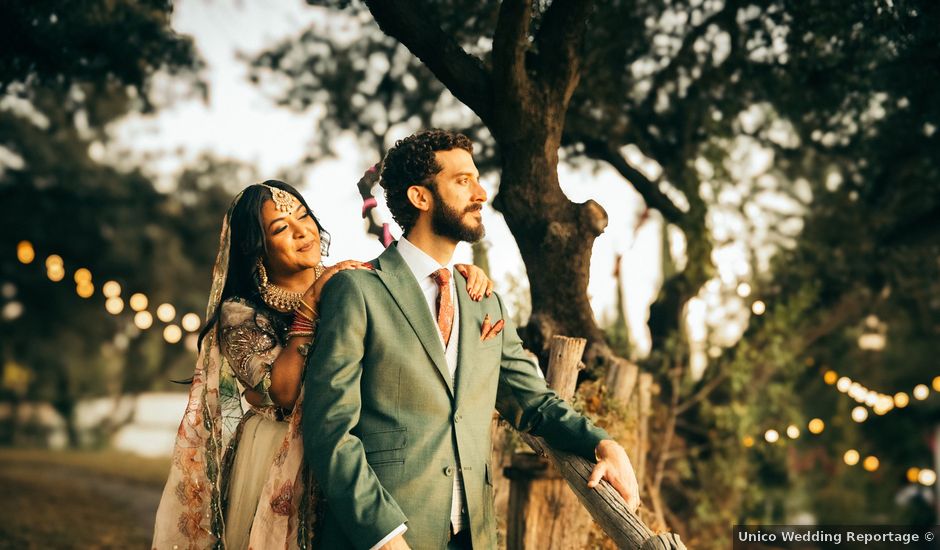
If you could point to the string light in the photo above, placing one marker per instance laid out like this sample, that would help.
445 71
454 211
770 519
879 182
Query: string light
771 436
870 463
138 302
114 305
901 400
85 289
793 432
758 307
172 334
912 474
143 320
830 377
25 252
166 312
859 414
816 426
927 477
921 392
82 275
748 441
55 268
851 457
190 322
111 289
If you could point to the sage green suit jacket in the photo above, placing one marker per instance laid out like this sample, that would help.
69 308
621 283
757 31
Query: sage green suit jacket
383 425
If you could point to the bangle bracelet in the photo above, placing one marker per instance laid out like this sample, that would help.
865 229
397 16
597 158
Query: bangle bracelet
312 311
301 333
300 313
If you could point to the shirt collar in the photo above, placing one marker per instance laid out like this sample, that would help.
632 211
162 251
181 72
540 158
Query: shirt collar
419 262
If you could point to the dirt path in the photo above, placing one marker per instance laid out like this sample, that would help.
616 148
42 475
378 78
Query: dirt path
81 500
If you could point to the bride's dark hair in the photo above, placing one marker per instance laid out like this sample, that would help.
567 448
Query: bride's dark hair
248 244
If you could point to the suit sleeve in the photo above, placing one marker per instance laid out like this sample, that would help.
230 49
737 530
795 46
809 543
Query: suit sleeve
526 402
364 509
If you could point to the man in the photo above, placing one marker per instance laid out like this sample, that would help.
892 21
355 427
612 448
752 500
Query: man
406 371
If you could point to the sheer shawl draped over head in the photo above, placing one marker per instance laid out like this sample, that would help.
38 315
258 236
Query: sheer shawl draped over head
191 514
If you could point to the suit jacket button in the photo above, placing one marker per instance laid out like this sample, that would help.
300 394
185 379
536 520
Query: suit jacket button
448 471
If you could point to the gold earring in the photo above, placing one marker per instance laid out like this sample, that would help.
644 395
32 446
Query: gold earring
262 274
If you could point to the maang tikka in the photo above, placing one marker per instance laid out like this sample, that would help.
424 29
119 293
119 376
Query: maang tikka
283 200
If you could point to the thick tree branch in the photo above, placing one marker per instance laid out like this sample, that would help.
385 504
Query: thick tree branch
559 42
656 199
510 44
463 74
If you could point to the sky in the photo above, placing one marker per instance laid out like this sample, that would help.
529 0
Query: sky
240 122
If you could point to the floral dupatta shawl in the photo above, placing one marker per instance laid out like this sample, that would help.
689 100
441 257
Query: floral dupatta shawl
191 514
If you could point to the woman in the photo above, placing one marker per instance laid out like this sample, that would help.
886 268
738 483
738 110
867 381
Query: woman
237 478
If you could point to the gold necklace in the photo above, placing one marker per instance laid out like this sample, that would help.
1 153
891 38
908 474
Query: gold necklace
279 298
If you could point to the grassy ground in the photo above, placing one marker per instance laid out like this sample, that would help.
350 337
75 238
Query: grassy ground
78 499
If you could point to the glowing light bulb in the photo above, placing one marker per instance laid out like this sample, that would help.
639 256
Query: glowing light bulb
927 477
143 320
816 426
901 400
851 457
111 289
138 302
114 305
190 322
166 312
25 252
85 289
172 334
82 275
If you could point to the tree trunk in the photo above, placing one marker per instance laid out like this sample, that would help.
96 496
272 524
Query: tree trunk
555 238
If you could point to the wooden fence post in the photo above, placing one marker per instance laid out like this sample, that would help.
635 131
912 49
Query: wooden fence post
543 512
532 498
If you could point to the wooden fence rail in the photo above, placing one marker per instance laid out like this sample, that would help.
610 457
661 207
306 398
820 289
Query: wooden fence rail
603 503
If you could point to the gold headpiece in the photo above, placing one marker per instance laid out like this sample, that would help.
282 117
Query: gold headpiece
283 201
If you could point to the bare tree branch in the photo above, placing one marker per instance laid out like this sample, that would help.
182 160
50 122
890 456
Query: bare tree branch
510 44
559 43
463 74
656 199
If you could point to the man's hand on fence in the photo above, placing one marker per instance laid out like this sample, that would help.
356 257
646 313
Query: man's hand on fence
614 465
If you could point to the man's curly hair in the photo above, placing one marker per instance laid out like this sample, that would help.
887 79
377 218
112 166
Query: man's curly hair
411 162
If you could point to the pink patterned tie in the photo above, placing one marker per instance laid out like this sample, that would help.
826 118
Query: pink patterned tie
445 307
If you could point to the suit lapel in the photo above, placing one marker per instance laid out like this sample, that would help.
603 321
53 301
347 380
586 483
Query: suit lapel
401 284
469 332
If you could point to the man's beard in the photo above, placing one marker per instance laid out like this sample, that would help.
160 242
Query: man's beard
447 221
